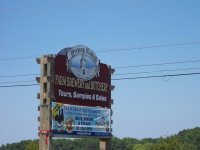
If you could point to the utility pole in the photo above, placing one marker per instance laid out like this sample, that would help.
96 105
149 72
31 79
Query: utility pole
46 94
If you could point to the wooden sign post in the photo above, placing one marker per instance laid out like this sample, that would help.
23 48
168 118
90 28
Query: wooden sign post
105 144
46 92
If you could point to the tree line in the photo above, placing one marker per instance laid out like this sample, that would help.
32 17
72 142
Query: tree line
188 139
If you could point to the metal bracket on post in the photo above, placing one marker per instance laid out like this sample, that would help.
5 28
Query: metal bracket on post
112 70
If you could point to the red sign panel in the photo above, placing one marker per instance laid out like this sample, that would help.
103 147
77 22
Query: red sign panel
79 78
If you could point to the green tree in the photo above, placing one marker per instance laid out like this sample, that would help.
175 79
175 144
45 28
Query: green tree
145 146
188 147
129 142
117 144
32 145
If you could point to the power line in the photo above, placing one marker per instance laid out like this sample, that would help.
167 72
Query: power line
118 79
17 58
158 76
158 64
19 85
55 4
17 82
18 75
116 50
144 72
132 73
53 8
153 46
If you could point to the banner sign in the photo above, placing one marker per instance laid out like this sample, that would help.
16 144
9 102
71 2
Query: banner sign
80 78
71 120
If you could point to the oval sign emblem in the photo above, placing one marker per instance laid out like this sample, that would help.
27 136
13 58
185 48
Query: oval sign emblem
82 62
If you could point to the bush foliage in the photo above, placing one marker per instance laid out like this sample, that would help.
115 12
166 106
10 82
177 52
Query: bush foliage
185 140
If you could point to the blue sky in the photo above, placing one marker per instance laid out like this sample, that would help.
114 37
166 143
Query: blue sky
142 108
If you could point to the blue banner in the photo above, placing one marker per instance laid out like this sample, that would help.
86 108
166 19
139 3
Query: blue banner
71 120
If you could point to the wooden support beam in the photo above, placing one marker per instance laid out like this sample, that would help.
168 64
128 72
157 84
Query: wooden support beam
46 83
105 144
